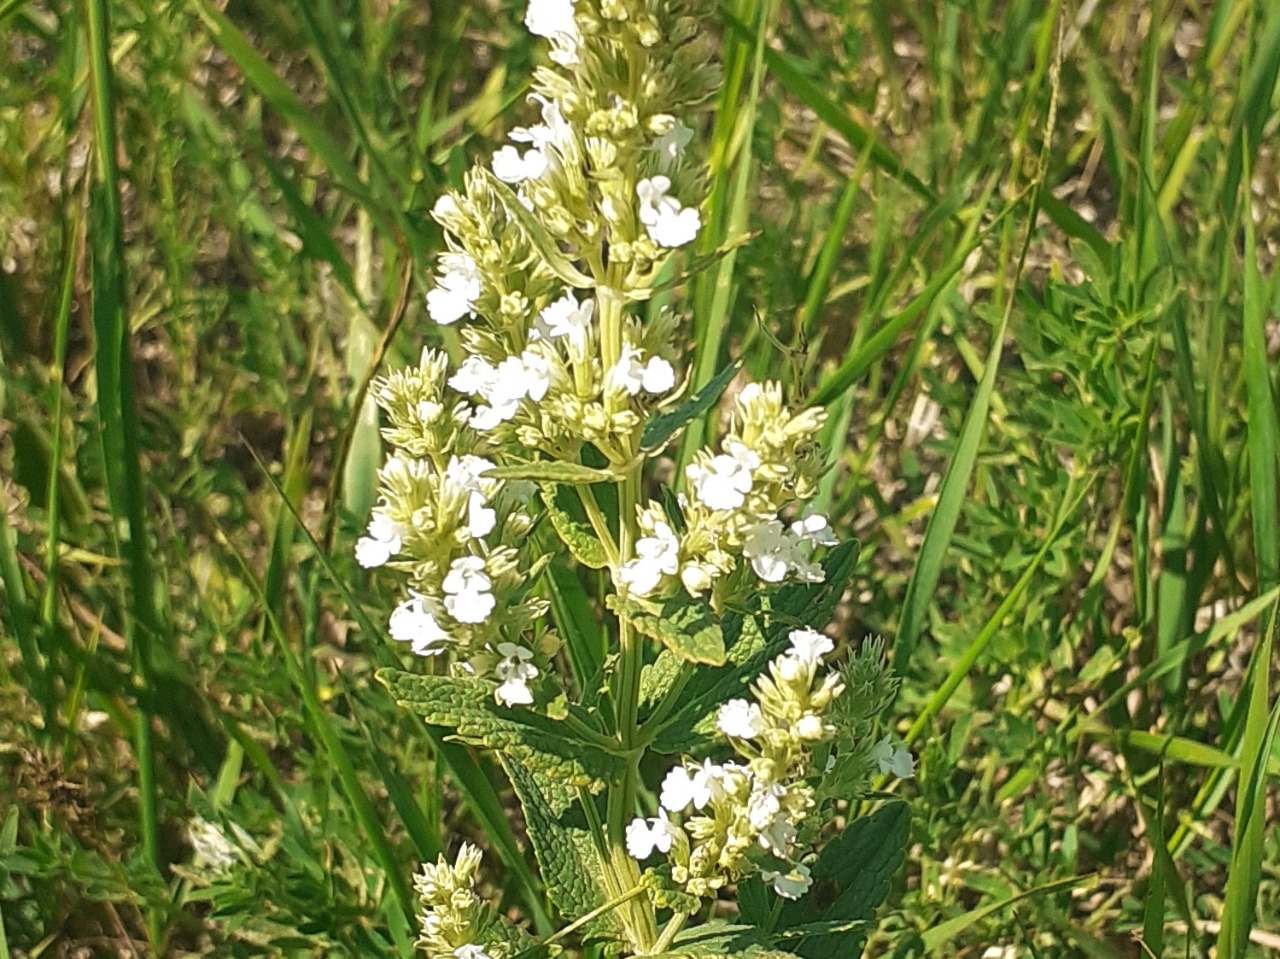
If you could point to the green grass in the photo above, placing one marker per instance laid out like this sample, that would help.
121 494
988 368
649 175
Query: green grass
1048 349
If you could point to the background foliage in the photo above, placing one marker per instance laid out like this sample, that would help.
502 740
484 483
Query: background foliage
1062 467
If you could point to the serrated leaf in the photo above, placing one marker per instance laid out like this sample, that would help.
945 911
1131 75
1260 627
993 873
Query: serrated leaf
751 641
468 708
853 872
562 842
543 242
501 930
578 536
722 940
661 428
551 471
685 626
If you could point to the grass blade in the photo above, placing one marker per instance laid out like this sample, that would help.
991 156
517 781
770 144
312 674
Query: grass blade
284 101
117 414
942 524
941 934
1244 875
713 292
1263 431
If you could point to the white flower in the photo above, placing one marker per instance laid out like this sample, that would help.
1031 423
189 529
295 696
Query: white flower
470 952
455 295
480 519
725 483
646 835
791 670
445 206
535 376
740 719
553 133
468 598
656 556
631 376
545 18
671 142
384 541
697 577
554 19
791 885
475 376
765 803
764 811
502 387
668 223
809 646
512 166
815 530
569 318
894 759
811 727
770 550
680 789
212 851
467 470
778 836
412 622
658 376
707 782
514 670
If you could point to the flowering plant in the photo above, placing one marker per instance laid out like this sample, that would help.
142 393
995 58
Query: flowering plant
536 451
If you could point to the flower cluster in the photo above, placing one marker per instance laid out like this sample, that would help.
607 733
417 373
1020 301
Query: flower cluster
721 821
458 533
454 919
547 246
765 465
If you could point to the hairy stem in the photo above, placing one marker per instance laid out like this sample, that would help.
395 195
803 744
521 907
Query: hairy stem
637 916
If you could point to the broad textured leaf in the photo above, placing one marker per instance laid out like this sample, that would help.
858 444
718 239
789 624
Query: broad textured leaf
751 641
722 940
575 534
852 873
664 426
552 471
561 839
685 626
467 707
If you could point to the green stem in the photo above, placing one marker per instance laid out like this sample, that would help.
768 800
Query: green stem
622 871
599 524
669 932
581 921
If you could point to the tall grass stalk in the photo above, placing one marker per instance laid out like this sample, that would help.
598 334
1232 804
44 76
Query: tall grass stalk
118 422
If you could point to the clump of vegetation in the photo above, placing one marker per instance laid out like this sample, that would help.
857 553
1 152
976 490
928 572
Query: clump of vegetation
1007 271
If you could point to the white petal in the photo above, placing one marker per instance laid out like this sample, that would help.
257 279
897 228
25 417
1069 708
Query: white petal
372 552
640 839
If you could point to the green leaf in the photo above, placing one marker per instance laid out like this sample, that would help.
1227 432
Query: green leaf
561 839
853 873
938 936
552 471
575 616
723 940
661 428
581 539
685 626
467 706
751 641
